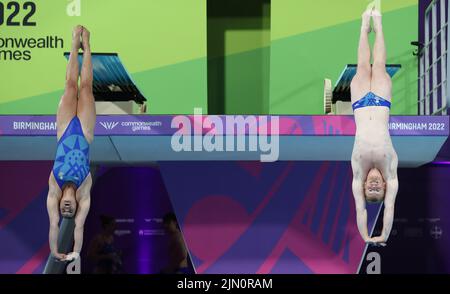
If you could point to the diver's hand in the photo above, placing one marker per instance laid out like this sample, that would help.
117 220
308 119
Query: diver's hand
377 241
72 256
60 256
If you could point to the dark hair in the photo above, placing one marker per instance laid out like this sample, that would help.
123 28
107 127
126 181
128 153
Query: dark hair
69 184
169 217
375 200
106 220
68 217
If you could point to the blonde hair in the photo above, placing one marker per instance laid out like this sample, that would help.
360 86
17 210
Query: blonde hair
374 199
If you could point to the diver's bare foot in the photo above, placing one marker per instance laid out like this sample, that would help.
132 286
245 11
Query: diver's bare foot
365 25
377 22
85 37
76 37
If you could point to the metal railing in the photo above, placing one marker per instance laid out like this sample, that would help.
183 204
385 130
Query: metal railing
433 61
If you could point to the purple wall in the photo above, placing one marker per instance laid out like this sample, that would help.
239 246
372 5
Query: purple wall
420 240
250 217
295 217
135 193
23 217
137 198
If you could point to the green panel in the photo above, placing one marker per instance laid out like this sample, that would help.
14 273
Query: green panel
299 63
151 38
40 104
247 82
174 89
238 57
292 17
173 82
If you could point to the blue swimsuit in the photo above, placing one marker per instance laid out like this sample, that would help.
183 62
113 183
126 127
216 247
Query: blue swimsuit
371 100
72 156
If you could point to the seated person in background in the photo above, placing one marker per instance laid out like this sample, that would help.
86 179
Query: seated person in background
178 263
102 251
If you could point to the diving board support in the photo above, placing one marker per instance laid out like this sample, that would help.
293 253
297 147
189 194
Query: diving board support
65 245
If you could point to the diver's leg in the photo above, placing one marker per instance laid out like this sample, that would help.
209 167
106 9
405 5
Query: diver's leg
67 108
86 103
360 84
381 83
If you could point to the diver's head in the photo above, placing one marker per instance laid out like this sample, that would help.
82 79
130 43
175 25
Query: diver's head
170 223
108 224
68 203
374 186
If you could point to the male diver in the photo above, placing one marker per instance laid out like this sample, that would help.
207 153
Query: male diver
70 180
374 160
